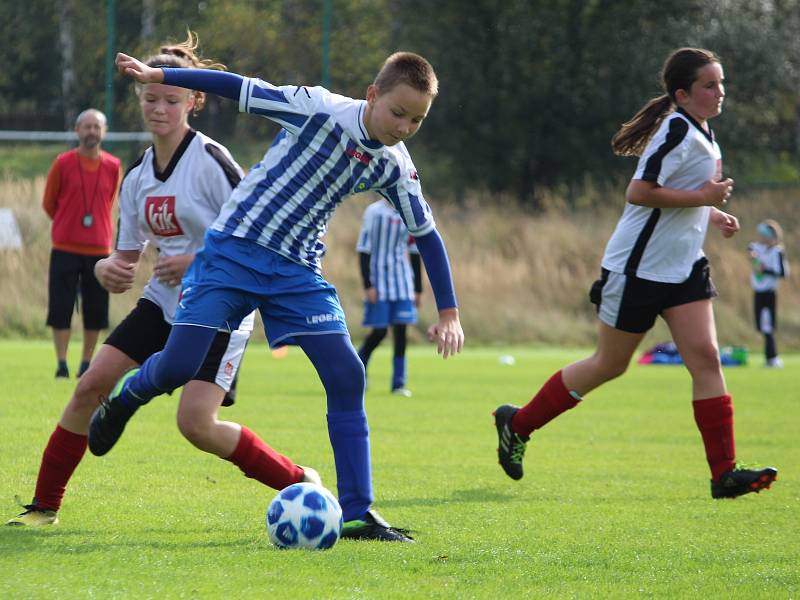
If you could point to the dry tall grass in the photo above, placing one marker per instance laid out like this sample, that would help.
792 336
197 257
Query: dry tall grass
520 278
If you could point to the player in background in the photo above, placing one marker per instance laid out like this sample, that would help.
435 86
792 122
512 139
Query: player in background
769 265
653 266
391 272
168 198
264 250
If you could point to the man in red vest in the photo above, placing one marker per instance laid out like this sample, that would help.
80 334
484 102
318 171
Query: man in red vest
81 188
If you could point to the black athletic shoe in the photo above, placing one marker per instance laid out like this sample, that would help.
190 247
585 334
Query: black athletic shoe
62 372
738 482
109 420
83 368
511 447
373 527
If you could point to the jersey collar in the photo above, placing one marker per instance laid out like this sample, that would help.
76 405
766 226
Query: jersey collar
709 135
176 156
365 140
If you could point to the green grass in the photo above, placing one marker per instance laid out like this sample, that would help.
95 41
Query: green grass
615 502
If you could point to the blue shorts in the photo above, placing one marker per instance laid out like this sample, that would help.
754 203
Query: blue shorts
389 312
231 277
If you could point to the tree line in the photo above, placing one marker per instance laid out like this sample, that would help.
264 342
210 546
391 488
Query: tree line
531 91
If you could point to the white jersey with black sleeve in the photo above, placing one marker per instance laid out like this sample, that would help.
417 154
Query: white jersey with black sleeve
662 244
385 238
322 155
172 209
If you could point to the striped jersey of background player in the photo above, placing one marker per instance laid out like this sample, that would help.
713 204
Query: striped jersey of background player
391 273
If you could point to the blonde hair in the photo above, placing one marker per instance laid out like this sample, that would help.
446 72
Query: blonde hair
185 56
775 227
678 73
409 68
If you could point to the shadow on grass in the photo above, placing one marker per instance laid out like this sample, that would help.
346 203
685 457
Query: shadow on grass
457 497
21 540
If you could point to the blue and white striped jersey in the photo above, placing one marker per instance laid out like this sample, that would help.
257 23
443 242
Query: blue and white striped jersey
385 238
662 244
322 156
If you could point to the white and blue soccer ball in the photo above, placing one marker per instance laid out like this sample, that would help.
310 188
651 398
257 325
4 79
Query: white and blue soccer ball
304 515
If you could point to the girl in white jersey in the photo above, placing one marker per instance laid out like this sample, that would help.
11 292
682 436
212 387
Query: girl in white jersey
769 266
168 198
654 266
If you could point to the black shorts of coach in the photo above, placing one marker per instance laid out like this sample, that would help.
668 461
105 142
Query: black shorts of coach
67 272
632 304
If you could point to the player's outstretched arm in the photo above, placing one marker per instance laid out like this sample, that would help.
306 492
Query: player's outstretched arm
136 69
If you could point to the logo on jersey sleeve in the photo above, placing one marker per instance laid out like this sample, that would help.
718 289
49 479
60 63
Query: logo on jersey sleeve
159 212
413 176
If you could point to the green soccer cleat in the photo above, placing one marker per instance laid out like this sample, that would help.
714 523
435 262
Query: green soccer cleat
373 527
109 420
511 446
34 517
739 481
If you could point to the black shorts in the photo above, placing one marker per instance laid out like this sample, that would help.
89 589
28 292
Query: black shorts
631 304
144 332
67 271
764 305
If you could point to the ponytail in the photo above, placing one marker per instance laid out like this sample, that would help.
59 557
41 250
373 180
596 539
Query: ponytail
632 137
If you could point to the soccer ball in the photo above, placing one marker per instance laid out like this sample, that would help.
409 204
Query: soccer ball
304 515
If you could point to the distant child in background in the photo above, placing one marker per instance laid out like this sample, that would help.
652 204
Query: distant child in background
392 276
769 265
653 266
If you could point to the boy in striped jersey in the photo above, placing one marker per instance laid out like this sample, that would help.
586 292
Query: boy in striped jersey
654 266
392 277
264 251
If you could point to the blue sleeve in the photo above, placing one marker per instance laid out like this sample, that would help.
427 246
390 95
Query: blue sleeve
221 83
434 255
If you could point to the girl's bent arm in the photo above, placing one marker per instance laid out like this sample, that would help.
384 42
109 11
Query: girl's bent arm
652 195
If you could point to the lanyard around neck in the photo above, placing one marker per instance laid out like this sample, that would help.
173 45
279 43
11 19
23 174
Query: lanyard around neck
86 204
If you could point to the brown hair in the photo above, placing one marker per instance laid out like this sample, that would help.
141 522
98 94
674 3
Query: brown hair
185 56
679 73
408 68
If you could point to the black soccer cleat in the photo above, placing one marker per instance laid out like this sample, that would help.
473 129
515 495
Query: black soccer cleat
109 420
373 527
511 446
738 481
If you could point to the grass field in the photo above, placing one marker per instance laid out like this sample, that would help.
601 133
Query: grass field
614 504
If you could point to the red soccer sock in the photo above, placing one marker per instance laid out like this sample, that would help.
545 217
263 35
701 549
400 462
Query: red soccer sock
61 456
549 402
714 418
260 462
